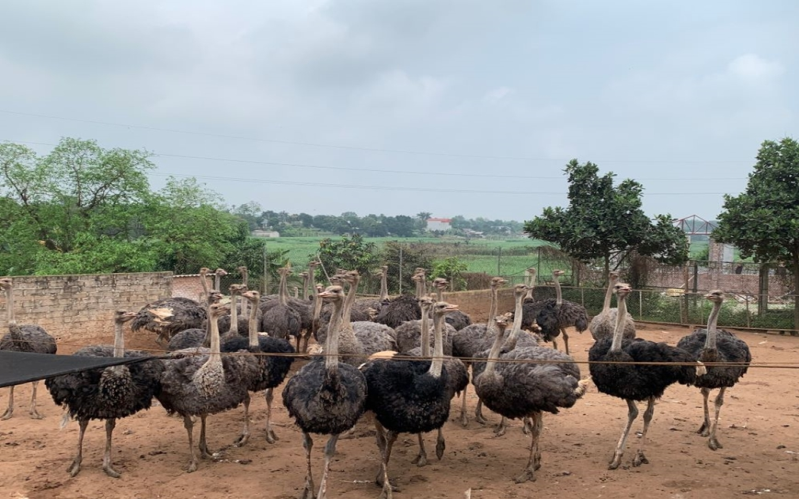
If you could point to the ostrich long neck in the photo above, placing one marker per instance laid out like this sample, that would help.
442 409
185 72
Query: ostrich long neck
608 295
204 284
558 293
425 327
234 313
493 354
384 285
283 292
530 284
215 355
218 282
440 293
492 310
10 304
346 320
621 314
712 332
119 340
331 341
253 324
438 346
513 337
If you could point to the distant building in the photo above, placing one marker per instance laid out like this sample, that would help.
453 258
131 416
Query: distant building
265 233
439 224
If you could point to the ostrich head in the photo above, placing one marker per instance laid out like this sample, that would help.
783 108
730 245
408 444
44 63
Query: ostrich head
622 289
557 273
497 282
532 271
520 290
332 294
440 283
220 272
237 289
384 268
441 308
214 297
352 277
613 275
253 296
426 301
204 271
123 316
502 321
242 270
715 295
5 283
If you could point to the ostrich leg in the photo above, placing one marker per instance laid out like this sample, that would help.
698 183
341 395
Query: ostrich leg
501 427
478 413
565 340
33 412
330 451
533 463
537 425
307 444
245 432
204 452
440 444
270 433
386 493
109 430
640 458
10 410
189 425
632 413
464 416
421 458
74 468
713 443
704 430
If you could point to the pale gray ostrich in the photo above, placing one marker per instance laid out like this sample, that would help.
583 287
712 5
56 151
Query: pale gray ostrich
471 340
604 323
314 307
558 314
410 334
281 320
527 389
710 346
107 393
457 319
199 382
529 280
326 396
637 370
408 396
23 338
218 275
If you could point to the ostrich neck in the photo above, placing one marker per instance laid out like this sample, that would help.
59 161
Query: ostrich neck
513 337
493 354
283 293
234 314
608 295
492 310
346 320
530 289
438 346
331 341
558 293
245 276
384 286
440 294
218 282
253 324
215 355
119 341
10 304
423 286
618 333
204 284
425 327
712 333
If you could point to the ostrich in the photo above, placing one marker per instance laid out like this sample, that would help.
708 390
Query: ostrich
326 396
23 338
203 273
614 375
604 323
235 323
558 314
218 275
410 334
471 340
529 280
711 345
364 304
317 311
273 368
404 307
526 389
169 316
280 320
195 337
199 382
110 394
457 319
408 396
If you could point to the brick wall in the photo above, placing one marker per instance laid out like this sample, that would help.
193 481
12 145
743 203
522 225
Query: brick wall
75 306
731 283
476 303
189 285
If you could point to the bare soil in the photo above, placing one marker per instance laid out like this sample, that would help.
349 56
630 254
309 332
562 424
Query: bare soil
758 430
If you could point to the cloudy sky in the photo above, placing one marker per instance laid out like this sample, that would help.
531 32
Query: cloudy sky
453 107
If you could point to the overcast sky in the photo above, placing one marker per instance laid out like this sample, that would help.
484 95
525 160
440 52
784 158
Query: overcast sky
677 95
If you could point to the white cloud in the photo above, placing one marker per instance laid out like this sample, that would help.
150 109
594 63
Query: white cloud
495 95
754 68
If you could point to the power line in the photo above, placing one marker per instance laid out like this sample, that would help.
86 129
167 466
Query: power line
349 147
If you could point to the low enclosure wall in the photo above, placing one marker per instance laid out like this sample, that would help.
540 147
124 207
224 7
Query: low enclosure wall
71 306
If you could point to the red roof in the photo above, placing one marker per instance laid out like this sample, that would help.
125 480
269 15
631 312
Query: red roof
444 220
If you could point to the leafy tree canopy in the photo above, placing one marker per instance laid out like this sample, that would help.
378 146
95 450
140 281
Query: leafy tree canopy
605 221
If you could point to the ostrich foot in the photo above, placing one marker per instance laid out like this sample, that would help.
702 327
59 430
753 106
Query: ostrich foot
205 453
242 440
528 475
381 483
640 459
308 491
464 419
480 419
615 462
420 459
704 430
111 471
192 466
527 427
714 444
386 493
35 414
270 436
74 468
7 415
501 428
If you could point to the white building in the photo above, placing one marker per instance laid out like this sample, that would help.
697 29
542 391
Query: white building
439 224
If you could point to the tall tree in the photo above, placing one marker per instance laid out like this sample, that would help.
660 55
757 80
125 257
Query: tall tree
606 222
763 221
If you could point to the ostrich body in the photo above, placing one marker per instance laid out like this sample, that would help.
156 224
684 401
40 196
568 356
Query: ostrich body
372 336
473 339
110 393
712 345
326 396
199 382
556 315
527 389
195 337
272 368
280 320
604 323
408 396
23 338
636 382
183 313
403 308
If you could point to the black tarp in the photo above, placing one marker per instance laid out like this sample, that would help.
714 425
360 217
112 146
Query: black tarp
19 367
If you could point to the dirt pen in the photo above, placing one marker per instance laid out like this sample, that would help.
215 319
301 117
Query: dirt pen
757 428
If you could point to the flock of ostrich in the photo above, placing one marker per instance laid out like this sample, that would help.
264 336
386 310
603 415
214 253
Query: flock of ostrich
399 359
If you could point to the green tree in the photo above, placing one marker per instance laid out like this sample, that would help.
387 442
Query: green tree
451 269
606 222
349 253
763 221
413 256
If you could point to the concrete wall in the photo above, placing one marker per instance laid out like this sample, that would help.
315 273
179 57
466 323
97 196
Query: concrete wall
476 303
76 306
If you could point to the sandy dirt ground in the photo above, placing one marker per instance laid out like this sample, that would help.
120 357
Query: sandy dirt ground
758 429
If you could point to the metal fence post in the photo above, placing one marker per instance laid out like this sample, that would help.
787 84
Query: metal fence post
640 305
748 314
400 269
